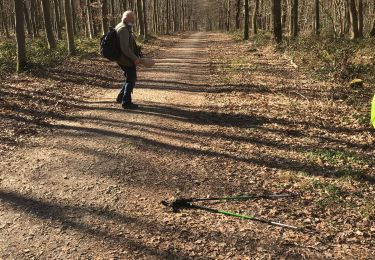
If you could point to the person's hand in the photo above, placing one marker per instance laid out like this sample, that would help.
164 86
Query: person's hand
137 61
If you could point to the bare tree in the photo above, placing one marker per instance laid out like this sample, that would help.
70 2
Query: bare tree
238 14
69 27
48 25
20 35
247 21
317 17
104 16
294 19
4 20
372 32
57 19
255 17
360 18
353 19
277 25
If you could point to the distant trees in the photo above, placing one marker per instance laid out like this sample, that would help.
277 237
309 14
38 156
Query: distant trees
59 19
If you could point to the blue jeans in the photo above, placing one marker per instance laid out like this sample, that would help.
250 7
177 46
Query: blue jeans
130 74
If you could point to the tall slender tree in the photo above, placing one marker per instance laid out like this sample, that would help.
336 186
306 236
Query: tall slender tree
353 19
294 19
238 14
27 18
104 16
48 24
372 32
276 17
255 16
57 18
247 21
69 27
360 18
20 35
4 19
141 18
145 24
317 17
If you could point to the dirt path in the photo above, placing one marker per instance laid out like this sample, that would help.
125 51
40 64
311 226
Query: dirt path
92 188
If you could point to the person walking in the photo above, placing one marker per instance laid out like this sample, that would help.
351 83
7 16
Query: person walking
129 59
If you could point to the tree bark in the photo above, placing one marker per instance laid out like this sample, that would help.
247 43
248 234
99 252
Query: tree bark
20 35
48 24
247 21
113 15
33 19
89 19
255 17
27 18
353 19
140 19
317 17
74 16
238 14
294 19
145 20
57 18
360 18
168 18
69 27
372 33
4 20
277 26
104 16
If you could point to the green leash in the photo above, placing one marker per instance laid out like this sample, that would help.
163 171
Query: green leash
179 204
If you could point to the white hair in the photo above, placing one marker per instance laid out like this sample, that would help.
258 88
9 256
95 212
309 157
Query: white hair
126 14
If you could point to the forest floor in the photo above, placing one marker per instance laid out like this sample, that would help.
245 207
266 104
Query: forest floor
217 117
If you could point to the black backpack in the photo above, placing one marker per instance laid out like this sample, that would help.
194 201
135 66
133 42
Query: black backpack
110 45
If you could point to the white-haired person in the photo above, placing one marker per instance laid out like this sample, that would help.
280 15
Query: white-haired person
129 59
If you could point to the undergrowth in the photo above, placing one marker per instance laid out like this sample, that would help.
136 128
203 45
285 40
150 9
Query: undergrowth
38 54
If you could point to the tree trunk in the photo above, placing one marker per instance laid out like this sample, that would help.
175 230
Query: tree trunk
360 18
57 18
33 19
113 15
255 17
238 14
124 5
27 18
74 16
89 19
4 20
372 33
145 19
353 19
20 35
277 26
317 17
48 24
104 16
140 19
155 16
168 18
294 19
69 27
247 21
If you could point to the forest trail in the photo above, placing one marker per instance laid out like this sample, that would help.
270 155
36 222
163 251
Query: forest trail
92 188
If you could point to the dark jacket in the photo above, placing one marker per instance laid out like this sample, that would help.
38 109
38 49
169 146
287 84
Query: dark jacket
127 44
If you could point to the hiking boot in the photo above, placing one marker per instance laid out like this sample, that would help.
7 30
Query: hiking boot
130 106
119 97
